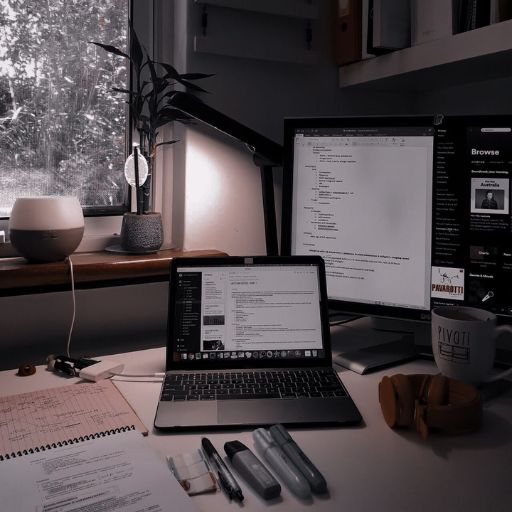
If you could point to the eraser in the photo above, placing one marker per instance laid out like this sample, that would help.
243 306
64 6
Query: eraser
99 371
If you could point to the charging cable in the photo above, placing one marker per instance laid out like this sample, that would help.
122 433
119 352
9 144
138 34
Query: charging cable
68 345
134 376
92 370
156 374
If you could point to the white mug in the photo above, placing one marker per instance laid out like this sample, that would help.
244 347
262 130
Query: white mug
464 343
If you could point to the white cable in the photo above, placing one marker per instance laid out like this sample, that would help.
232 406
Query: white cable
139 381
112 374
74 305
157 374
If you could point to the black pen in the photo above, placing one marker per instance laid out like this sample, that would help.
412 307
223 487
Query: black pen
226 479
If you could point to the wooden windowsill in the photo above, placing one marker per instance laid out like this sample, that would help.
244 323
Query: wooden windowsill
90 269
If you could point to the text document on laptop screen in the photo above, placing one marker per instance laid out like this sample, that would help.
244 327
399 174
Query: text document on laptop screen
363 199
247 312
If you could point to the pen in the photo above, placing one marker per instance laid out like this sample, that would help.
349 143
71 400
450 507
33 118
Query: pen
226 479
281 463
300 459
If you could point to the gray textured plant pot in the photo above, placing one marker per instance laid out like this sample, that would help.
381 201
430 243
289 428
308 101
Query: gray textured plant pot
141 233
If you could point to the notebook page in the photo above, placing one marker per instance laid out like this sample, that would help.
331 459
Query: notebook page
40 418
117 472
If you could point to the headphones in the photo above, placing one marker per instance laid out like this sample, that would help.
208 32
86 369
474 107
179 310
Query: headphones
430 401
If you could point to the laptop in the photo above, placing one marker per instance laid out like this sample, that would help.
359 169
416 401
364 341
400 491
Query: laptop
249 345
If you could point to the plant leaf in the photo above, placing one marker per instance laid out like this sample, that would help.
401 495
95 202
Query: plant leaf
171 114
152 71
136 52
171 72
191 86
125 91
195 76
166 142
111 49
161 85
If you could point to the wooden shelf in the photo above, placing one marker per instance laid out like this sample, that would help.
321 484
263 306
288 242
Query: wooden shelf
481 54
18 276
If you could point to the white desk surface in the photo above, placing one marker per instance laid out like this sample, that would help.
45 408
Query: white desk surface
367 468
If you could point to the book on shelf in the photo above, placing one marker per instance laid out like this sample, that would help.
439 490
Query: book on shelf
472 14
347 32
431 20
389 25
365 54
501 10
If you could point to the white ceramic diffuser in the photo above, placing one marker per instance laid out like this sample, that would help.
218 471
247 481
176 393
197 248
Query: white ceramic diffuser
46 228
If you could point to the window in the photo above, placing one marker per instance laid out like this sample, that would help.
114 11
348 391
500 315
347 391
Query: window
62 129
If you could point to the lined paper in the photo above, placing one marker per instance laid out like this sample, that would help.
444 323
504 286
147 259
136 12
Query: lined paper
118 472
41 418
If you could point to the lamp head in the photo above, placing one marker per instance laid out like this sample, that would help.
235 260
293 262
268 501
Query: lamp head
259 145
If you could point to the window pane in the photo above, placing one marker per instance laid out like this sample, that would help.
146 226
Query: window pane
62 129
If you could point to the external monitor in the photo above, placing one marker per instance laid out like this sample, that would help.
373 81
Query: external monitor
407 212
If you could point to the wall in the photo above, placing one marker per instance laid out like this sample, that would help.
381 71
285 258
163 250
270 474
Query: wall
108 320
482 97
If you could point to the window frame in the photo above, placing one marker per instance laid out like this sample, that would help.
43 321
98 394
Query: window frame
153 22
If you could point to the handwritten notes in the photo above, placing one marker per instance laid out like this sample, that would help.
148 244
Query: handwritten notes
41 418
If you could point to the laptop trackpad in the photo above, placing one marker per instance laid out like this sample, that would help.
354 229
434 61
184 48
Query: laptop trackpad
186 414
260 412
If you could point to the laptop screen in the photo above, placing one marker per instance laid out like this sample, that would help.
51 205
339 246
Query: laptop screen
246 312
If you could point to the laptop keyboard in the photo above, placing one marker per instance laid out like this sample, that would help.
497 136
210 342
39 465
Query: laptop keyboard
253 384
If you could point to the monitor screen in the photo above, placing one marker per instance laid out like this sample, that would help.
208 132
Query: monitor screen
407 212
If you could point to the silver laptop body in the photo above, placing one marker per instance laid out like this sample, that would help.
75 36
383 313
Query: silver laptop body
249 345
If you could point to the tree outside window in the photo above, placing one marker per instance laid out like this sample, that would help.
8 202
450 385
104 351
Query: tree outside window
62 131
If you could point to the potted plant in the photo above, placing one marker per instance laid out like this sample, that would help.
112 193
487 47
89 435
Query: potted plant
153 85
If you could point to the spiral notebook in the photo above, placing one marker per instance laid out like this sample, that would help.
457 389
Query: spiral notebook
78 448
41 419
115 470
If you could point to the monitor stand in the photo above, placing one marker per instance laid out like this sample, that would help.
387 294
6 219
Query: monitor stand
368 344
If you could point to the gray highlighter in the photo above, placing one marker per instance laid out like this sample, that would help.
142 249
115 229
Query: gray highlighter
252 470
299 458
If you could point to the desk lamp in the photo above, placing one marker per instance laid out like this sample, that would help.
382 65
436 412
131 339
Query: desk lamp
266 154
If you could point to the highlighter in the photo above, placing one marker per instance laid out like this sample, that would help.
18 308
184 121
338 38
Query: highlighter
281 463
252 470
285 441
